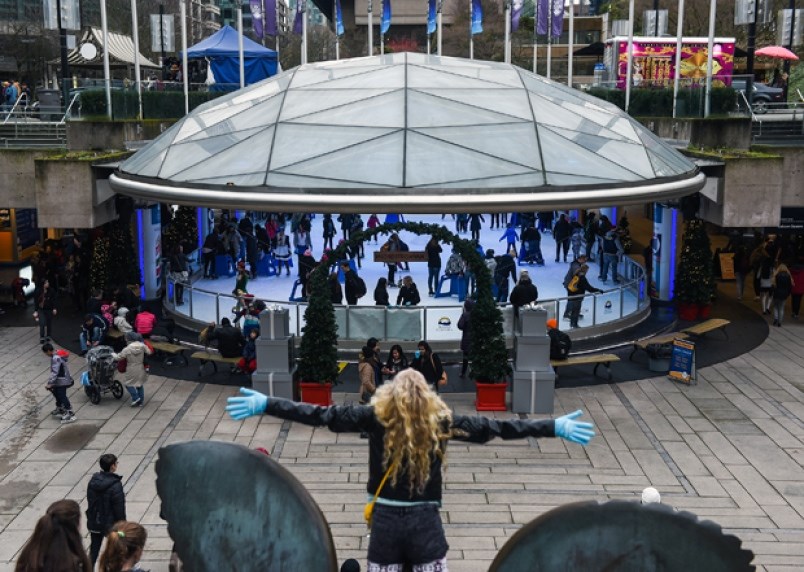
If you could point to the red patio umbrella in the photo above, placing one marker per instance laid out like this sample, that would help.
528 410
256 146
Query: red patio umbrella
776 52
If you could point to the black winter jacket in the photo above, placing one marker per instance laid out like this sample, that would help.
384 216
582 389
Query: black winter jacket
360 418
106 502
230 341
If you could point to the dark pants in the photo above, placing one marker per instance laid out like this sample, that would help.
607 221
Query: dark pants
562 244
60 393
574 305
45 323
406 535
432 278
391 274
795 304
209 264
95 546
476 234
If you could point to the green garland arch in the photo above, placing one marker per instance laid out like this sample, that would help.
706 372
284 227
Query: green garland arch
318 350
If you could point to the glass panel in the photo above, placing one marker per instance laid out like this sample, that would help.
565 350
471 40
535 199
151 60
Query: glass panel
184 155
340 321
527 180
427 77
264 113
154 149
669 155
384 77
203 302
387 110
607 307
490 77
238 180
429 162
442 323
366 321
248 156
152 169
288 181
508 320
560 92
359 163
509 102
563 156
303 101
660 166
427 110
273 86
405 324
514 142
568 179
220 112
313 141
629 156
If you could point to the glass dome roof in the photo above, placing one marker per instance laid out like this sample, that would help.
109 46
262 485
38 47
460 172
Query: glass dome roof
399 127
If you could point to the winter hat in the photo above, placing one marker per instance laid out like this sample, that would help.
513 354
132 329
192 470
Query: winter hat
552 323
122 312
650 496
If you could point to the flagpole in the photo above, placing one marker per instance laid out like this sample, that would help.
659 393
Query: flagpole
507 50
304 33
335 26
370 30
240 57
679 31
183 13
550 40
262 3
709 57
438 25
629 55
571 41
136 37
535 34
106 74
471 35
278 29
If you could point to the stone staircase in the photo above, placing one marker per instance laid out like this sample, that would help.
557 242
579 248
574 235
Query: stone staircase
33 135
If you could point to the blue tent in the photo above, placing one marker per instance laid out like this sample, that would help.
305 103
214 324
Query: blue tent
221 49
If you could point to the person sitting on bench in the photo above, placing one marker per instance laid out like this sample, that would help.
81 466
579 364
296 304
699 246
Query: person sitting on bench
230 339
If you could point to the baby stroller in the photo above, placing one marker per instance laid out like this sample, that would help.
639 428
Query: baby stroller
99 378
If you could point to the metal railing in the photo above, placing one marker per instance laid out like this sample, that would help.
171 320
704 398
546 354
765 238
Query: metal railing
14 108
601 311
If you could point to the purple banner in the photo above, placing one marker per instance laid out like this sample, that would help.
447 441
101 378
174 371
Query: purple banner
297 21
256 18
263 17
542 16
558 18
516 13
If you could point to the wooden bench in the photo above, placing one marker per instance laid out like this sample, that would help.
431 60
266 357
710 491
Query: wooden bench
660 339
170 351
704 328
598 359
400 256
214 357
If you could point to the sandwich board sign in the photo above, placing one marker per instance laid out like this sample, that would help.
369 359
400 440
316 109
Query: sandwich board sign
682 362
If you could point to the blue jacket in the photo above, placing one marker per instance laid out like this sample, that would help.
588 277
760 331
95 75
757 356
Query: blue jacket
250 350
510 234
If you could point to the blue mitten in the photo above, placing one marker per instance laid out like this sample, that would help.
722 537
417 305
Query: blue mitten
251 403
575 431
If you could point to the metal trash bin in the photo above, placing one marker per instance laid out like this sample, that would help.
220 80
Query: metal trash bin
49 104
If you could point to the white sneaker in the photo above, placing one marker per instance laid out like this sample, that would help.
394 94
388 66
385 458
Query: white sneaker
136 403
68 417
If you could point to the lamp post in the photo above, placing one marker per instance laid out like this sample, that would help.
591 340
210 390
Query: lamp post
65 65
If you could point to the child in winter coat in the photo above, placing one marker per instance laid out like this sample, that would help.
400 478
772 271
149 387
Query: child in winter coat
135 374
58 383
248 363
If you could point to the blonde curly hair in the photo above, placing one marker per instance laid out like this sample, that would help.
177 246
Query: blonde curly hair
417 424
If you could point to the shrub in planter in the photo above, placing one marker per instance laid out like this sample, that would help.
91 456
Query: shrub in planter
695 281
487 351
318 353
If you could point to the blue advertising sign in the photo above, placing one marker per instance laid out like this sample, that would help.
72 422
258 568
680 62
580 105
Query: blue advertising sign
682 361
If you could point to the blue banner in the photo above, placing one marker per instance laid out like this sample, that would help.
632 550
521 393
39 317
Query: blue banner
477 17
338 18
385 23
431 16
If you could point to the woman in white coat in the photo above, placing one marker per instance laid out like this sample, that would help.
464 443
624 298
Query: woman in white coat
135 375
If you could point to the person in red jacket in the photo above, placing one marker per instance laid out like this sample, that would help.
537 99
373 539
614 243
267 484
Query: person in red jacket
797 273
144 323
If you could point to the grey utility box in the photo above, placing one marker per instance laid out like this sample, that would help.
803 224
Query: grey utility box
533 391
275 323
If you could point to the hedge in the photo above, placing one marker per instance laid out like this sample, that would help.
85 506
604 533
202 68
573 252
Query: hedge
659 102
155 104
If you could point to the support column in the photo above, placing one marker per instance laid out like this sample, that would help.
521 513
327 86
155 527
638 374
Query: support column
663 248
149 250
611 214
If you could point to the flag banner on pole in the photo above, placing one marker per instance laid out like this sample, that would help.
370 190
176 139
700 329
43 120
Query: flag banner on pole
385 22
477 17
542 16
558 18
256 18
338 18
431 16
269 17
516 13
297 21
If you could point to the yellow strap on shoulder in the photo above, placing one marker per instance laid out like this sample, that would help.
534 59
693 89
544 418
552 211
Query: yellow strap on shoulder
368 510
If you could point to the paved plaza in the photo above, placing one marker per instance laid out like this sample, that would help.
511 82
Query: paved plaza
730 449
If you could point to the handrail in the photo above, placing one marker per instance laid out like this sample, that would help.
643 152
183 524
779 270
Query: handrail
69 108
748 106
10 113
801 97
633 276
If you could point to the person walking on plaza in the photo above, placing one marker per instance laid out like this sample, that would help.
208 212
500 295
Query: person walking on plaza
576 288
59 382
367 367
408 294
797 275
465 326
124 546
612 251
397 361
765 275
433 250
134 375
428 363
408 428
56 542
782 288
561 234
106 503
45 310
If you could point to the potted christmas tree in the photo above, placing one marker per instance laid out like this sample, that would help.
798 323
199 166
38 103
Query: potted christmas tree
318 354
695 282
487 351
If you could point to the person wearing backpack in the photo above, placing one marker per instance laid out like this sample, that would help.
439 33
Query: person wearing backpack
106 503
354 286
574 266
59 381
576 288
560 343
